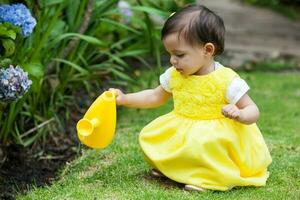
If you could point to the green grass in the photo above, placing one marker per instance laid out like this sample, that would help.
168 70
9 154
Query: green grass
119 171
272 65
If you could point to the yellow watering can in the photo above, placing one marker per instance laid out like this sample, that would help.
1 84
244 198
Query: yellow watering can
97 128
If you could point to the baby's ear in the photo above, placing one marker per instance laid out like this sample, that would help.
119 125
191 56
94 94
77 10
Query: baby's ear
209 49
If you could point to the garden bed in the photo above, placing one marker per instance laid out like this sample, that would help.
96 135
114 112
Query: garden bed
25 168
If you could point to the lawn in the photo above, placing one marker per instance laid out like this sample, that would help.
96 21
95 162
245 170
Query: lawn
119 171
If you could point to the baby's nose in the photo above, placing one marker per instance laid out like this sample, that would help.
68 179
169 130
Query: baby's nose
173 60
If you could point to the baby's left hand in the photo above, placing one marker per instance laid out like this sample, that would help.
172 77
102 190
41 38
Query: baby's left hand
231 111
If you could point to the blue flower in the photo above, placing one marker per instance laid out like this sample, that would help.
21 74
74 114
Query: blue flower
18 15
14 83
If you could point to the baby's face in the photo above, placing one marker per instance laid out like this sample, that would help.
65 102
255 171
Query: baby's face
187 59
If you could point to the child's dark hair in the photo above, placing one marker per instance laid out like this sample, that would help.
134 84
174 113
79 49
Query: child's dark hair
198 24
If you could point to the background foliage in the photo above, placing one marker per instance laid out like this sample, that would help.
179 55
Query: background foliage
290 8
78 46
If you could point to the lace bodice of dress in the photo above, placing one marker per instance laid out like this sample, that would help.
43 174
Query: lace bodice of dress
201 97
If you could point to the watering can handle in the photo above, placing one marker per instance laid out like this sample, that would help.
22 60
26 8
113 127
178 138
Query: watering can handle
114 92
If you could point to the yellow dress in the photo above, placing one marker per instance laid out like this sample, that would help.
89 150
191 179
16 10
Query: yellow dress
195 144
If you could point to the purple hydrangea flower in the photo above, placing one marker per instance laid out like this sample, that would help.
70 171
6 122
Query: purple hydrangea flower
18 15
14 83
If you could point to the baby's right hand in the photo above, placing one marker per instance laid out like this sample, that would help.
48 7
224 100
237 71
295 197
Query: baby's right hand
120 96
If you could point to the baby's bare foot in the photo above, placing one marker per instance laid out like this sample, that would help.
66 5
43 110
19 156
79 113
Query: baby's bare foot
194 188
156 173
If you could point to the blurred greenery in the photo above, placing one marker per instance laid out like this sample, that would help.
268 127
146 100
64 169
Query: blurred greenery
274 65
78 46
289 8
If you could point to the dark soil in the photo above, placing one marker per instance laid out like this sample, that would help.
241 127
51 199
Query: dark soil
38 165
35 166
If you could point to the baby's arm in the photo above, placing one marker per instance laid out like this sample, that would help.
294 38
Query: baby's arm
150 98
244 111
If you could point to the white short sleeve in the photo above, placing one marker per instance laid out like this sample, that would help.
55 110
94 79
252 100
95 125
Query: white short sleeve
236 89
164 79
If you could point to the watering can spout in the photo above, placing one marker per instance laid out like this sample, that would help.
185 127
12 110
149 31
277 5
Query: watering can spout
85 127
97 128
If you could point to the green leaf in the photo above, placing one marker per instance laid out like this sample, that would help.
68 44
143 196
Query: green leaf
86 38
117 59
58 28
5 62
75 66
35 69
120 74
5 33
36 74
151 10
45 3
134 52
71 11
123 41
9 31
28 141
9 47
115 23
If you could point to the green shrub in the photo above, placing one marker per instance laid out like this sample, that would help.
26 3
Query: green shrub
76 45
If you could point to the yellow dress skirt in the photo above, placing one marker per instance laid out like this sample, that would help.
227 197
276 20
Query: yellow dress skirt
195 144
